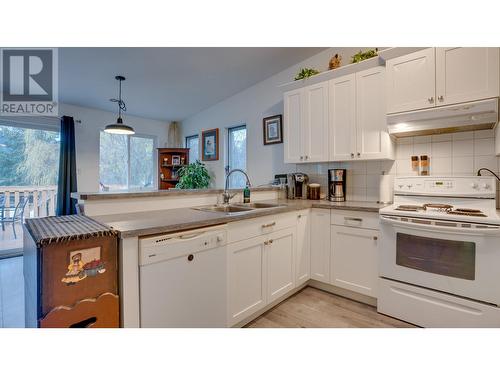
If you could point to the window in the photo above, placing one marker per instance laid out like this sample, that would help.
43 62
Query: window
126 162
193 143
237 154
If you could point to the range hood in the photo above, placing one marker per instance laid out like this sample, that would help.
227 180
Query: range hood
478 115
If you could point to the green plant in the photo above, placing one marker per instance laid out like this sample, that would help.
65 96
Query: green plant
193 176
305 72
360 56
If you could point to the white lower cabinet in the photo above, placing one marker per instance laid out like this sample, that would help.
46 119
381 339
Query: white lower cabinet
303 248
246 278
279 262
320 244
354 259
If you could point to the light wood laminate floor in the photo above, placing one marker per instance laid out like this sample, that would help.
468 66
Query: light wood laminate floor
314 308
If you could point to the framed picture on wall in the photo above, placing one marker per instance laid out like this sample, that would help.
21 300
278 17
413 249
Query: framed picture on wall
273 130
210 145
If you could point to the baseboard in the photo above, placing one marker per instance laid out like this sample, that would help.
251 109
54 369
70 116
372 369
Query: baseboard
343 292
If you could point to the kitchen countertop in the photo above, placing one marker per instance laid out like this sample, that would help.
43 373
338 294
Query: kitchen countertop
101 195
179 219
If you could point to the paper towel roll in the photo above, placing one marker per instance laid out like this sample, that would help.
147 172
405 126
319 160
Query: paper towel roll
386 188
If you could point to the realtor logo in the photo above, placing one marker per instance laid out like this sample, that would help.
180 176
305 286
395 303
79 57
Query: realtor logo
29 85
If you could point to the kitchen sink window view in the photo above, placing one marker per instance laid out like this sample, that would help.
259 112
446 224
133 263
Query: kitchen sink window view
198 193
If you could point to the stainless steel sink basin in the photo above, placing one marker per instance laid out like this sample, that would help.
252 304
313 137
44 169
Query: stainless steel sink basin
257 205
227 209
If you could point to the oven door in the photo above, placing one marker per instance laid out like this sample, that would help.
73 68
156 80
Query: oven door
442 255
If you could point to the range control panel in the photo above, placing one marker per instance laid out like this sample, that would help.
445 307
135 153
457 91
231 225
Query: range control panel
470 186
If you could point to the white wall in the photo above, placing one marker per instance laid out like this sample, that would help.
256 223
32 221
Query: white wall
87 139
250 107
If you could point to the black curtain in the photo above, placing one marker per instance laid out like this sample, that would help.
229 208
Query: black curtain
67 168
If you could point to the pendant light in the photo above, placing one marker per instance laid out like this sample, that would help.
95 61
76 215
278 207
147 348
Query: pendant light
119 127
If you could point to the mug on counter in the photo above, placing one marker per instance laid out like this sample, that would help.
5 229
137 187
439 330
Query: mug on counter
313 191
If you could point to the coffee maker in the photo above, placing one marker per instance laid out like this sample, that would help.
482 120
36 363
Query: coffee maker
336 185
297 185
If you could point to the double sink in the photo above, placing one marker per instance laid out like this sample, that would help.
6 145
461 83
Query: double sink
238 208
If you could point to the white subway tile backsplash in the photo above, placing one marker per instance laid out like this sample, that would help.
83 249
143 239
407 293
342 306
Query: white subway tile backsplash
404 151
450 154
489 162
484 146
489 133
441 149
463 147
441 137
463 166
440 166
462 135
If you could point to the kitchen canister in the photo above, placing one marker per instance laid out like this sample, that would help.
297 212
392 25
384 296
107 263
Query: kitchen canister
314 191
386 188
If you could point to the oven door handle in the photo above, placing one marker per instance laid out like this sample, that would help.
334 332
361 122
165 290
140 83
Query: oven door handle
490 230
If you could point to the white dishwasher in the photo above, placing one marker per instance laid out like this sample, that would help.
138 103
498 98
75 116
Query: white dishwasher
183 279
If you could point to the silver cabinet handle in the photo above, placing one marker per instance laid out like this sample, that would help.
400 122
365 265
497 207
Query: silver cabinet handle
359 154
352 154
299 216
271 241
268 225
375 238
306 157
431 99
266 242
301 158
440 98
358 219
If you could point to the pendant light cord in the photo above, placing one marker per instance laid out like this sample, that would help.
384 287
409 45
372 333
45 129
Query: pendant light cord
489 170
121 103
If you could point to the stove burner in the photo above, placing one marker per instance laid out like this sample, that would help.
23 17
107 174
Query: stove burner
409 207
467 212
438 206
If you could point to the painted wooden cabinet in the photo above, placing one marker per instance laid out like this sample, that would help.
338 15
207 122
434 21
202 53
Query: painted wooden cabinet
306 124
466 74
247 291
320 244
279 263
342 107
303 248
354 259
441 76
358 127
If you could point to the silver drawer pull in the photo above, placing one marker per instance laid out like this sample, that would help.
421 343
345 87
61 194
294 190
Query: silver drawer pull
358 219
268 225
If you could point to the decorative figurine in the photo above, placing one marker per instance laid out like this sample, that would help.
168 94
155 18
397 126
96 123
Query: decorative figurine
335 62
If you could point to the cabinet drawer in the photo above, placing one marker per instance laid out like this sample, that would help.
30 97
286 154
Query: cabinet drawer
356 219
244 229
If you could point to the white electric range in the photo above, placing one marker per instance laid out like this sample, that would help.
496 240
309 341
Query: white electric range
439 252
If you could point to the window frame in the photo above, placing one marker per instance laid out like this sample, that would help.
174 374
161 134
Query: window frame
228 158
186 145
154 138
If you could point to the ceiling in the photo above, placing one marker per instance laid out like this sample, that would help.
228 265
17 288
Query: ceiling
167 83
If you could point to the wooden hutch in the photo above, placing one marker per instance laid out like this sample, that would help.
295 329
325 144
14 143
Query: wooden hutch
169 162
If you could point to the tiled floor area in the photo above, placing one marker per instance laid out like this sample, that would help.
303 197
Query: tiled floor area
11 293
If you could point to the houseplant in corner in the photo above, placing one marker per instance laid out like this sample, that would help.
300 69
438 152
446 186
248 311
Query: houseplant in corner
193 176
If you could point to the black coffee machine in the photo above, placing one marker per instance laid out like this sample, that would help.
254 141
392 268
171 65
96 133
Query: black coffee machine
336 185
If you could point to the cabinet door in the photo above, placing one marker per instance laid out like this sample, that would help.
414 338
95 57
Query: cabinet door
320 245
354 259
293 122
411 81
303 248
246 278
466 74
372 138
342 108
280 263
315 128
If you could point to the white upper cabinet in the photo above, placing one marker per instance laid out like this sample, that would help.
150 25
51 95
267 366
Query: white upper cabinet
293 122
316 124
466 74
372 138
306 124
342 108
410 81
441 76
